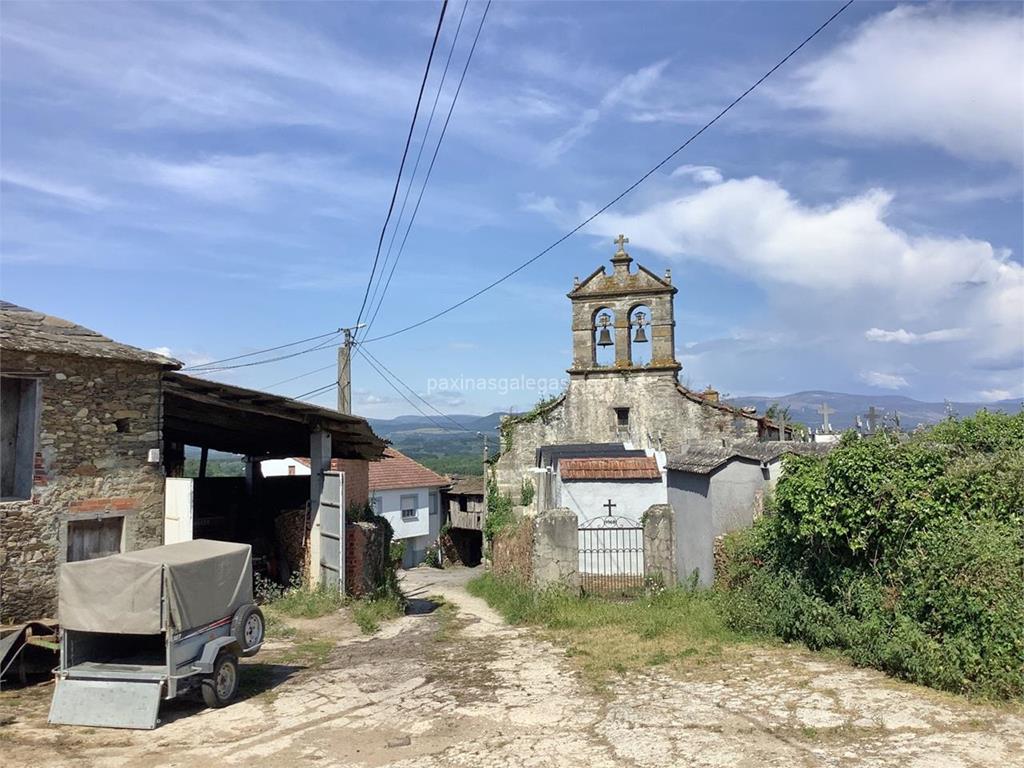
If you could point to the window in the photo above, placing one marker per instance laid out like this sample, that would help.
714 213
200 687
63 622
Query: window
89 539
19 407
378 505
291 470
622 417
410 505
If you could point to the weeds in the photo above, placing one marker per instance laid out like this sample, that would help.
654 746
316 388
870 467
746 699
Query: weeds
673 625
370 613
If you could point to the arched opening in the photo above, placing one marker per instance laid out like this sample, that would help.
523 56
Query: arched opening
604 337
640 334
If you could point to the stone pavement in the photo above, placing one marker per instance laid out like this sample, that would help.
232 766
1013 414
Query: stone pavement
461 688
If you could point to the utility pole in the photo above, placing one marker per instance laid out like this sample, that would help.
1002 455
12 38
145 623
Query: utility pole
345 370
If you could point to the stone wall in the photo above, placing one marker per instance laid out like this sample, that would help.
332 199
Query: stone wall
660 545
512 552
660 417
556 549
98 420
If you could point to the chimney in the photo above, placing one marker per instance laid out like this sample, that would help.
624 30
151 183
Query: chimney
709 394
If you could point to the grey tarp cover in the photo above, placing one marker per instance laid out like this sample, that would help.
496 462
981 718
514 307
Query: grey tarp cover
203 580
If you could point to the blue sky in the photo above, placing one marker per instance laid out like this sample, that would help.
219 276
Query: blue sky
211 179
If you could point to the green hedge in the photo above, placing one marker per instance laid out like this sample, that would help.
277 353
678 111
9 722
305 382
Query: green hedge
907 554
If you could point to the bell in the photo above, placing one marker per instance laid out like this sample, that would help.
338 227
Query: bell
604 339
641 335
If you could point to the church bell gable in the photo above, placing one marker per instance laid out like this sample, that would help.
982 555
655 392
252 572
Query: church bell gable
629 312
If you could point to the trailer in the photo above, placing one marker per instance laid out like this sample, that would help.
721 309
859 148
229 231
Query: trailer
154 624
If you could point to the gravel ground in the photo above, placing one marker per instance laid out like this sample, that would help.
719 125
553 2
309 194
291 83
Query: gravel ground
457 687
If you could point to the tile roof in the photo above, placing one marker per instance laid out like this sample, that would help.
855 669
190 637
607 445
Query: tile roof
550 455
397 470
26 330
630 468
704 458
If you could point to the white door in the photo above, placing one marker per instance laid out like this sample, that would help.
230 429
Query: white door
177 510
332 530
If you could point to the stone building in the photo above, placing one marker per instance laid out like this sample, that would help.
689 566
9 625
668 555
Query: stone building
80 416
623 384
94 434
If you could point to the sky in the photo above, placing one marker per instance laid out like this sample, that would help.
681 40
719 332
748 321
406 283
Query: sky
211 180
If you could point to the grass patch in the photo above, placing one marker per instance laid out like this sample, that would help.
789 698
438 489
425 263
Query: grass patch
674 626
370 613
302 602
307 652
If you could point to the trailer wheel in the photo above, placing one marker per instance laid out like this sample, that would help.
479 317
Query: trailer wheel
220 688
248 627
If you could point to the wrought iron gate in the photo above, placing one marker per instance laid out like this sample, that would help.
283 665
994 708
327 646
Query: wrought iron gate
611 555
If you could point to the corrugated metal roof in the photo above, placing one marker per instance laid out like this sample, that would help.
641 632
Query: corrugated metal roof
26 330
630 468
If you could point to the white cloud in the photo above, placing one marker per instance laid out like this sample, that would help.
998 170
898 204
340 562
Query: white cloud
884 380
828 271
705 174
942 75
990 395
68 193
902 336
187 356
628 90
843 251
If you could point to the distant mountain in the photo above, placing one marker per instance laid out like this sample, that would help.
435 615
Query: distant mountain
803 407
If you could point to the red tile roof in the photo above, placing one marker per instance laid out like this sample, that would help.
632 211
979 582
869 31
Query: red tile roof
631 468
397 470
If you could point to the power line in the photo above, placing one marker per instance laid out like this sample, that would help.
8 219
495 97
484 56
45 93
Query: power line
317 391
259 351
416 165
425 415
300 376
213 369
401 166
371 359
430 168
622 194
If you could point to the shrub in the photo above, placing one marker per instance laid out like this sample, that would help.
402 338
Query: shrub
499 511
907 555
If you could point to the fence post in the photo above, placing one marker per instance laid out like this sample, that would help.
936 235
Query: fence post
660 544
555 548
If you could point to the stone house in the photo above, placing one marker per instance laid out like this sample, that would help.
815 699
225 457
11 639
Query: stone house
80 416
623 384
715 490
93 445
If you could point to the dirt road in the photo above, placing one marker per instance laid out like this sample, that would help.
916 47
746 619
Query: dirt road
458 687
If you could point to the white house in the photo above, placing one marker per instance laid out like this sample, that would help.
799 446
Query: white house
400 489
409 496
282 467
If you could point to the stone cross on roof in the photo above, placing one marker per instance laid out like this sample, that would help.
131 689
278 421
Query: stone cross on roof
621 241
824 410
872 417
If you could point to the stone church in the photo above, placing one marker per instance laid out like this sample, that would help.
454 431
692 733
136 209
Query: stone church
624 381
